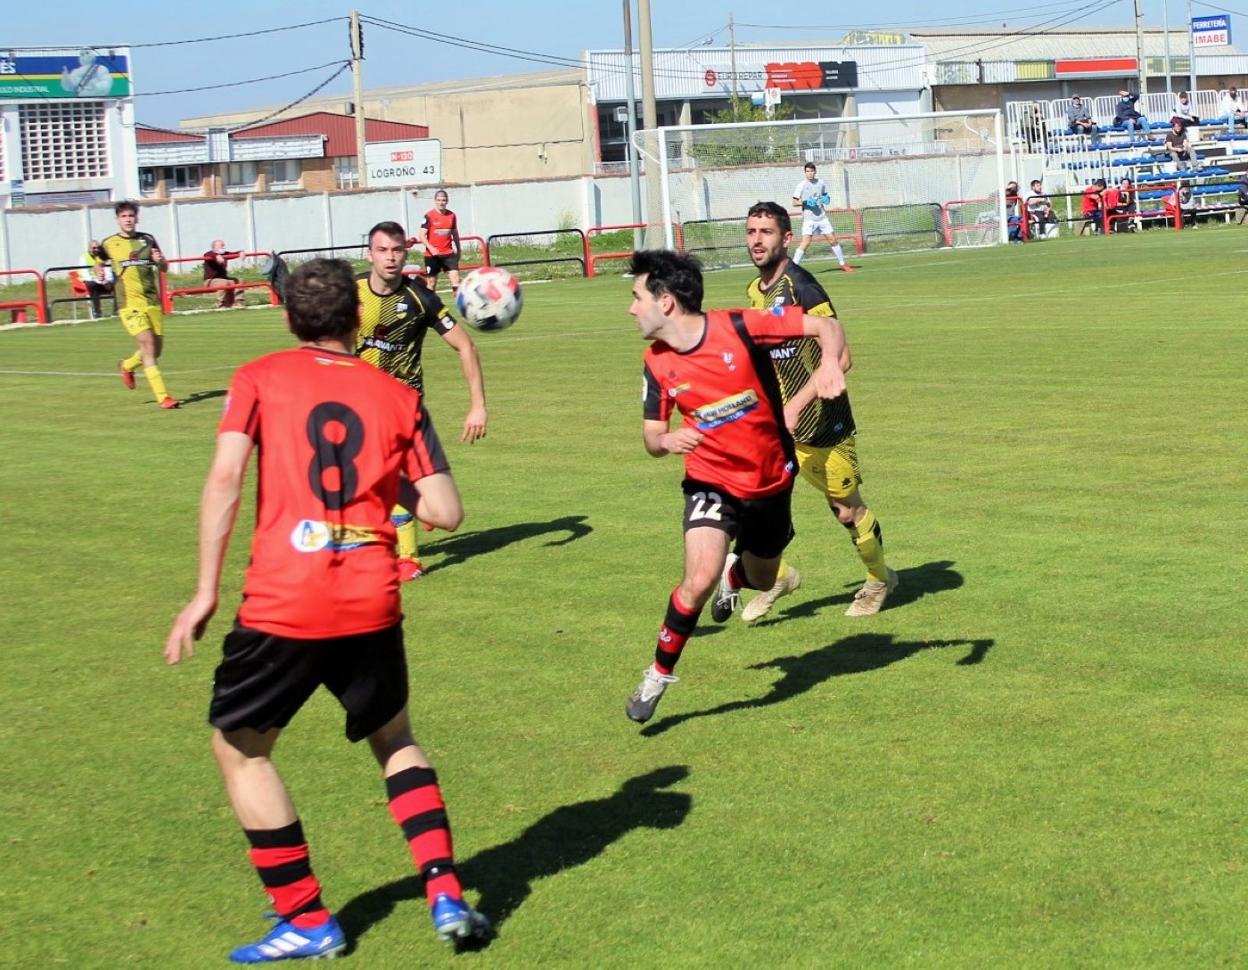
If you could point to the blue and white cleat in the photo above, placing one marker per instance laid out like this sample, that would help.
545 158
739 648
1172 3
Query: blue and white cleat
289 942
456 920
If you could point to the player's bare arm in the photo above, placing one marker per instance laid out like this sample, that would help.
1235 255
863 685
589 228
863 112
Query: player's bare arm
470 361
828 379
218 511
434 499
660 440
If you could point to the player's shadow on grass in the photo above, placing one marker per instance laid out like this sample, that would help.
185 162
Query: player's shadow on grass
202 396
915 582
462 546
855 654
568 837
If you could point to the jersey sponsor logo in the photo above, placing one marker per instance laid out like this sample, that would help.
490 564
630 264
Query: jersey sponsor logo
725 411
400 308
783 353
678 389
309 535
385 346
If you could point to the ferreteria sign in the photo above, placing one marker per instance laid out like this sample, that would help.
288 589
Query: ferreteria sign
58 75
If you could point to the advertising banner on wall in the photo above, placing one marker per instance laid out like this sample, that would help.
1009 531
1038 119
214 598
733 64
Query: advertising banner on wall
73 73
403 162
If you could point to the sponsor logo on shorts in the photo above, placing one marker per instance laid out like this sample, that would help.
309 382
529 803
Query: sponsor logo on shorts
309 535
725 411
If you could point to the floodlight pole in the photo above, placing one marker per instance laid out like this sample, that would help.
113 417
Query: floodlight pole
1191 53
1165 26
649 114
630 126
732 56
357 77
1139 52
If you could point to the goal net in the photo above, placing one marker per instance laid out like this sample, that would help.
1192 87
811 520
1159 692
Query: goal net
894 184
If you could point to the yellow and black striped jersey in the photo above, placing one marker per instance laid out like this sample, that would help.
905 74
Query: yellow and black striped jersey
393 327
137 276
822 423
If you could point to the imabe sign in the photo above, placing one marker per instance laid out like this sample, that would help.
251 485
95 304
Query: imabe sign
1212 31
404 162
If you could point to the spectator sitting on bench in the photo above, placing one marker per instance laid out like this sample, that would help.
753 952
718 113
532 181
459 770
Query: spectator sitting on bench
1183 110
215 276
1126 115
1231 107
1091 207
1079 119
1242 196
1042 220
99 278
1122 203
1013 220
1178 144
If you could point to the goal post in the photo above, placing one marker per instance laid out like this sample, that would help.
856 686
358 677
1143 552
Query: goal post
895 183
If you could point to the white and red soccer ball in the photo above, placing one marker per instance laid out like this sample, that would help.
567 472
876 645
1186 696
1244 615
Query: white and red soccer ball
489 298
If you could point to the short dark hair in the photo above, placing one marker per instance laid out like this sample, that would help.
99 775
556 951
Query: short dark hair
1036 182
676 274
811 166
776 211
391 229
322 300
125 205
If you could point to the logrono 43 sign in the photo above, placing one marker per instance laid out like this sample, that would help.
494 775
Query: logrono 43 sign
403 162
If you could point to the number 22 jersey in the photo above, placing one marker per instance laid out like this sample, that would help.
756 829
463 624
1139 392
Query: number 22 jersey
333 435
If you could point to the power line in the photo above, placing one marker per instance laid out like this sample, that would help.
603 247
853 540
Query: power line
250 33
273 114
964 19
235 84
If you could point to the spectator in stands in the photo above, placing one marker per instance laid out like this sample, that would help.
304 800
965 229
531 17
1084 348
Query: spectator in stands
1092 208
1126 116
1124 204
1187 204
99 278
1184 111
1243 196
1012 218
1034 128
1177 144
1042 220
1231 108
1079 119
215 275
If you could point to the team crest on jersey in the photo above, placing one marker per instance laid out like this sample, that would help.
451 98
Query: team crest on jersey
400 308
728 360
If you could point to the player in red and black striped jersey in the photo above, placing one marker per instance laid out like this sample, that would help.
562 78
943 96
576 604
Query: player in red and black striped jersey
713 369
340 440
827 452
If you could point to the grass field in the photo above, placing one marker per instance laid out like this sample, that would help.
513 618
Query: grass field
1033 756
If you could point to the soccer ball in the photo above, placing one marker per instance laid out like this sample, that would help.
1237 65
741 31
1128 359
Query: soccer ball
489 298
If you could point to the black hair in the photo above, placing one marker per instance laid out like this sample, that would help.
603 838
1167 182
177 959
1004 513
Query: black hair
811 166
775 211
322 300
125 205
677 274
391 229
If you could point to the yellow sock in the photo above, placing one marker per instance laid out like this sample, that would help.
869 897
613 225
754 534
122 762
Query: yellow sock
869 542
133 362
158 383
783 571
405 531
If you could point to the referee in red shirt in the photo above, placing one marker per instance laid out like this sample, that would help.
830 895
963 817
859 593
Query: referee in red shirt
320 605
714 368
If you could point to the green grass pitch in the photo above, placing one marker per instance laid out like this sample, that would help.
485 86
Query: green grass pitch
1035 755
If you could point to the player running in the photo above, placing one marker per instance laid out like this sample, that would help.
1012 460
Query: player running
395 315
812 195
320 598
739 464
440 235
827 452
137 263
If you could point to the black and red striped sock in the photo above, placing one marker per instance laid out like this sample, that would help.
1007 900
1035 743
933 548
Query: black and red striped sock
281 859
416 804
678 626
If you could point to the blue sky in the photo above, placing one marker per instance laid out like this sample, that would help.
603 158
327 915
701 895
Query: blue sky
547 27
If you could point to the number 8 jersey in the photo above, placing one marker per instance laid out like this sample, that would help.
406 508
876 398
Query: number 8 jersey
333 435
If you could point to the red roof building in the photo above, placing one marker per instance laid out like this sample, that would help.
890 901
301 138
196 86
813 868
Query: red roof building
311 153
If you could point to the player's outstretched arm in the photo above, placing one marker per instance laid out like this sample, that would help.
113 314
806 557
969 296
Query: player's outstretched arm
660 441
435 500
829 378
218 511
470 361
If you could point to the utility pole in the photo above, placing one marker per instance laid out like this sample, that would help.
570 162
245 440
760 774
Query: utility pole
1139 55
732 59
1165 26
650 119
1191 54
634 174
357 77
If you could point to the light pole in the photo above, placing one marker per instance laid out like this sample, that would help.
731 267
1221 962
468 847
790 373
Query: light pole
634 176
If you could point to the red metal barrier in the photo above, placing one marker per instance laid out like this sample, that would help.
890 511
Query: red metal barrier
418 252
18 308
167 295
591 257
947 226
856 237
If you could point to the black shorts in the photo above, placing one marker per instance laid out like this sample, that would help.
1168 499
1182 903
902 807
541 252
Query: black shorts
761 526
439 264
263 679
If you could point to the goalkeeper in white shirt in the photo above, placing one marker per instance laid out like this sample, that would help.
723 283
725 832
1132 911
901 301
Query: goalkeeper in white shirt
812 195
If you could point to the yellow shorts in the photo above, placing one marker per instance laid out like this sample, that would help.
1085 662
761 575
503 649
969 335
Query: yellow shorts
834 470
138 319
